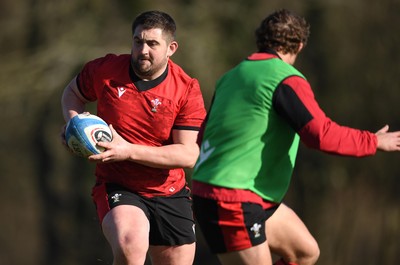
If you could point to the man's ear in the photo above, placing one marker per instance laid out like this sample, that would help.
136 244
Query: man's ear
301 46
172 47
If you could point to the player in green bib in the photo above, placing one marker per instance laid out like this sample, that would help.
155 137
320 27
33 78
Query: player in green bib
261 109
246 139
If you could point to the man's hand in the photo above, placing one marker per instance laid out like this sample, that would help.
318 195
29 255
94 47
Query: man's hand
388 141
116 150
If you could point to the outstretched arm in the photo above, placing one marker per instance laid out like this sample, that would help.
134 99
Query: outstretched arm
295 102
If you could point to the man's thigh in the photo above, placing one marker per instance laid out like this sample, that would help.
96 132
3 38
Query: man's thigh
126 228
287 235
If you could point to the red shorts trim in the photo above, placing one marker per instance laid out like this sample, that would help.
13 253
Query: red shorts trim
231 226
100 199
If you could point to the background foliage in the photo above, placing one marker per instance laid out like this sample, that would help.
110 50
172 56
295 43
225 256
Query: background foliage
350 205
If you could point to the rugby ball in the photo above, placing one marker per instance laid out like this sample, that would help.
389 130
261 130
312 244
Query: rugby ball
84 131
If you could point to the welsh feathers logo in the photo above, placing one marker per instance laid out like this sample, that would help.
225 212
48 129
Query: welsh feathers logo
155 103
116 197
256 230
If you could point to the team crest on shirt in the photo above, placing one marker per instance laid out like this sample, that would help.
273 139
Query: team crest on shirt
155 103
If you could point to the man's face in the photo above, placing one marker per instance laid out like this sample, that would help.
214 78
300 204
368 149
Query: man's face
150 52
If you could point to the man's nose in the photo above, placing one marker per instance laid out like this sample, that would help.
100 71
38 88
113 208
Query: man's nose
144 48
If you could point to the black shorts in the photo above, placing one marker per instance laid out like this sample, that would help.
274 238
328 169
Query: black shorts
171 218
231 226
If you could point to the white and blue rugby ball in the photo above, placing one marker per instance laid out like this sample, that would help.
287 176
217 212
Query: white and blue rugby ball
84 131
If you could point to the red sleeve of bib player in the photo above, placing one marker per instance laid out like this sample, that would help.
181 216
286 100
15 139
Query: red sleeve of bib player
294 100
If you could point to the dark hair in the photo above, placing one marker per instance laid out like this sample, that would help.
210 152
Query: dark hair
282 31
156 19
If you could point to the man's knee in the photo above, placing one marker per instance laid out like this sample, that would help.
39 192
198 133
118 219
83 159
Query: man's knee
309 254
127 253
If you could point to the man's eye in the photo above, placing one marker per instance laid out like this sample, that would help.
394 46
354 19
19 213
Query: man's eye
152 43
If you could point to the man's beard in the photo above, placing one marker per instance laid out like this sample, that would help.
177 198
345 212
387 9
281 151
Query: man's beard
144 71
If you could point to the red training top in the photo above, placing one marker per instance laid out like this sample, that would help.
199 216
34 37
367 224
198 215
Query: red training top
145 113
